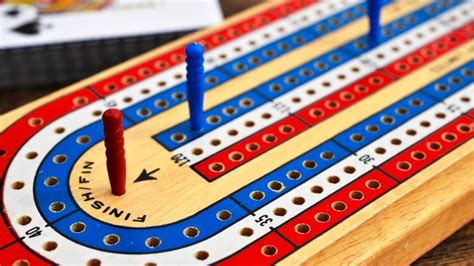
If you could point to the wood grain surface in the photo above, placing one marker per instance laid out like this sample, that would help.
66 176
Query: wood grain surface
457 249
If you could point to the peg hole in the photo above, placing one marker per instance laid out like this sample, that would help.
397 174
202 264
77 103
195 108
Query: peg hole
59 130
339 206
21 263
298 200
216 167
275 185
293 174
349 169
333 179
35 121
191 232
77 227
257 195
269 250
51 181
380 150
373 184
18 185
50 246
463 128
327 155
24 220
111 240
178 137
56 207
269 138
302 228
418 155
411 132
317 189
224 215
201 255
434 146
197 151
59 159
246 231
31 155
356 195
215 142
279 211
94 262
322 217
252 146
309 164
404 165
316 112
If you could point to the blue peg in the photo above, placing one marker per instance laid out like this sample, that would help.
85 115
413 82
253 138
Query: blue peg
374 8
195 84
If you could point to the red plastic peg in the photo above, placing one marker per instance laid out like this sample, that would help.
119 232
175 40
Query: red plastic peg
114 150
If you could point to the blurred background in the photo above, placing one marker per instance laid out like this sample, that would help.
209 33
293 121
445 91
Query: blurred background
32 66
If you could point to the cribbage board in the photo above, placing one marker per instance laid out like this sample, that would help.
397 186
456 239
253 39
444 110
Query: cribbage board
320 146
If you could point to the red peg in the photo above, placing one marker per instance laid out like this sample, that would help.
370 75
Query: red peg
114 150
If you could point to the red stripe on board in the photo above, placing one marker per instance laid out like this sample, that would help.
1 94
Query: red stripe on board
428 53
343 98
468 29
17 254
430 149
165 61
249 148
471 113
6 236
338 206
265 251
289 7
24 128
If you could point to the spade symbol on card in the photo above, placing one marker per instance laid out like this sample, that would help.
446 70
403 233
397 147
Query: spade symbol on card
12 12
21 19
30 28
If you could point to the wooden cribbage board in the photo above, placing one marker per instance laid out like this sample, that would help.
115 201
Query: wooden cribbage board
319 146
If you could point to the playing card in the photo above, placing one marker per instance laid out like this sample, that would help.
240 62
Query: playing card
23 25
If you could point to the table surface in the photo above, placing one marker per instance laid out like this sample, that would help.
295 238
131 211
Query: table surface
457 249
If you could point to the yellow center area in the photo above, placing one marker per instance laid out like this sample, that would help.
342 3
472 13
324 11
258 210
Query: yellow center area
178 191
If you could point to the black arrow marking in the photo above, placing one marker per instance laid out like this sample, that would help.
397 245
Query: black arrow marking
144 176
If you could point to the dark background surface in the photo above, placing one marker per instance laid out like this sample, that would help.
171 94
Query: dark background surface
457 249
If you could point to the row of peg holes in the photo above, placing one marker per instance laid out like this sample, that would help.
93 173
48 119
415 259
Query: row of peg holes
390 120
151 242
339 206
278 186
282 46
426 52
214 119
236 156
345 96
291 80
161 104
434 146
38 121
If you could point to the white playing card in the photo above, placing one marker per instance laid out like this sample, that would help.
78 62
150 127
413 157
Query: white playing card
22 26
